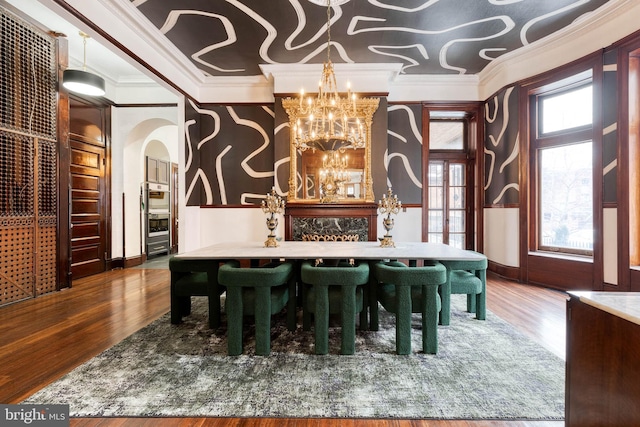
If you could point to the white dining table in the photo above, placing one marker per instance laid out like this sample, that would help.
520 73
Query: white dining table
298 250
294 250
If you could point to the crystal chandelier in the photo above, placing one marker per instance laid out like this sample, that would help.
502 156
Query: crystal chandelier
329 117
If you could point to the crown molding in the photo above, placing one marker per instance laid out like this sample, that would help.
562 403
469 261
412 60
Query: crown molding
250 89
363 77
435 87
611 23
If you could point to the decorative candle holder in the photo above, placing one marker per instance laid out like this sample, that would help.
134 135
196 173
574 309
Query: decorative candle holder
273 204
388 205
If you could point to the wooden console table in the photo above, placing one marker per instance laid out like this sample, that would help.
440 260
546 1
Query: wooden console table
349 218
603 359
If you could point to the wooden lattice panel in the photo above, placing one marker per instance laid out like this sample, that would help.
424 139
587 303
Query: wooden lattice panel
28 160
47 179
46 256
28 92
16 175
16 259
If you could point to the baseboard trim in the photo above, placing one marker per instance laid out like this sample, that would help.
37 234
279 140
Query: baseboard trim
135 261
505 271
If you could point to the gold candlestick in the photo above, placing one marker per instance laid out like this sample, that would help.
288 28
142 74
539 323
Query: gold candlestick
273 204
388 205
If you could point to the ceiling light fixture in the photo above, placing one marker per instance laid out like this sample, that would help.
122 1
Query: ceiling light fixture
82 81
329 117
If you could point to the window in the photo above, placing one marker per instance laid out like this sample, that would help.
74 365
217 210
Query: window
568 110
564 170
446 135
566 202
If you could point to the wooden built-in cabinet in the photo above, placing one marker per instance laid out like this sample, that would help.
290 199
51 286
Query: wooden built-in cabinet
157 171
603 354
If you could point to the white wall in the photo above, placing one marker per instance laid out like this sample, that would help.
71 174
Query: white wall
133 129
235 225
501 235
407 225
207 226
610 233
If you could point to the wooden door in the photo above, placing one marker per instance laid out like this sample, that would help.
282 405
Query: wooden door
89 188
87 217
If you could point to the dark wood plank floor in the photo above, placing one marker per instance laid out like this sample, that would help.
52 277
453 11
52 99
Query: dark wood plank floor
44 338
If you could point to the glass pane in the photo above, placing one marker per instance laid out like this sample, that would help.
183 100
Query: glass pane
435 237
567 110
446 135
436 200
436 174
456 240
456 198
435 221
456 174
566 197
456 221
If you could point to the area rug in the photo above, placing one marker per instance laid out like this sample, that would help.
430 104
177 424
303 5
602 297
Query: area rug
483 370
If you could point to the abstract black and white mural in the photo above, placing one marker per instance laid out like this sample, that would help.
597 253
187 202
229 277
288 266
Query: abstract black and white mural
403 159
610 127
501 149
229 154
232 37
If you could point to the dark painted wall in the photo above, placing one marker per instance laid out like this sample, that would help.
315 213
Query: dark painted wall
404 153
501 147
235 154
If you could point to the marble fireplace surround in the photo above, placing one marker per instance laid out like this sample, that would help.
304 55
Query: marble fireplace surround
331 227
336 219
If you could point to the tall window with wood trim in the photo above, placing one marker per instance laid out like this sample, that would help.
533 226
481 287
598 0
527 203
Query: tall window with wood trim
562 167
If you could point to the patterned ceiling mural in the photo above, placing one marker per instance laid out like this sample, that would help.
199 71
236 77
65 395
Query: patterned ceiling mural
232 37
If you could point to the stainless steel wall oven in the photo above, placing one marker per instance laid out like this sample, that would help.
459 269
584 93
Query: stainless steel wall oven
158 219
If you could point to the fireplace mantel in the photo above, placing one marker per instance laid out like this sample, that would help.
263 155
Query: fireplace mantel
331 218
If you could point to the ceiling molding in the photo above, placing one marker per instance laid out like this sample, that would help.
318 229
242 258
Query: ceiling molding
232 89
435 87
151 35
613 21
119 17
363 78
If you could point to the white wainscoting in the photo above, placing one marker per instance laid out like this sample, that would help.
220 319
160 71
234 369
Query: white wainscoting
502 235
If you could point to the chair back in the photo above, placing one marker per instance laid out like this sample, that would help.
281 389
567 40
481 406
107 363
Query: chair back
401 275
467 265
272 274
358 274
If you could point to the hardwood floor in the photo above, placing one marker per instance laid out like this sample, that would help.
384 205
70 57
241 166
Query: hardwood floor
44 338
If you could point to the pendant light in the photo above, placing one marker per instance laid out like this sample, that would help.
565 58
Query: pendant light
82 81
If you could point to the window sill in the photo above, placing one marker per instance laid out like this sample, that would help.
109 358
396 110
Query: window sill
566 257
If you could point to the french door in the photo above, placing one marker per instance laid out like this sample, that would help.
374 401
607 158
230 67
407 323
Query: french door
449 213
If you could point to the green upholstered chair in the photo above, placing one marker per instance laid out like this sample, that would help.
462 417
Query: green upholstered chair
259 292
193 277
465 277
404 290
333 290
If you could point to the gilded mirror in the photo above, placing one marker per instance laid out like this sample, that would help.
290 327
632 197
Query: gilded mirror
331 170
